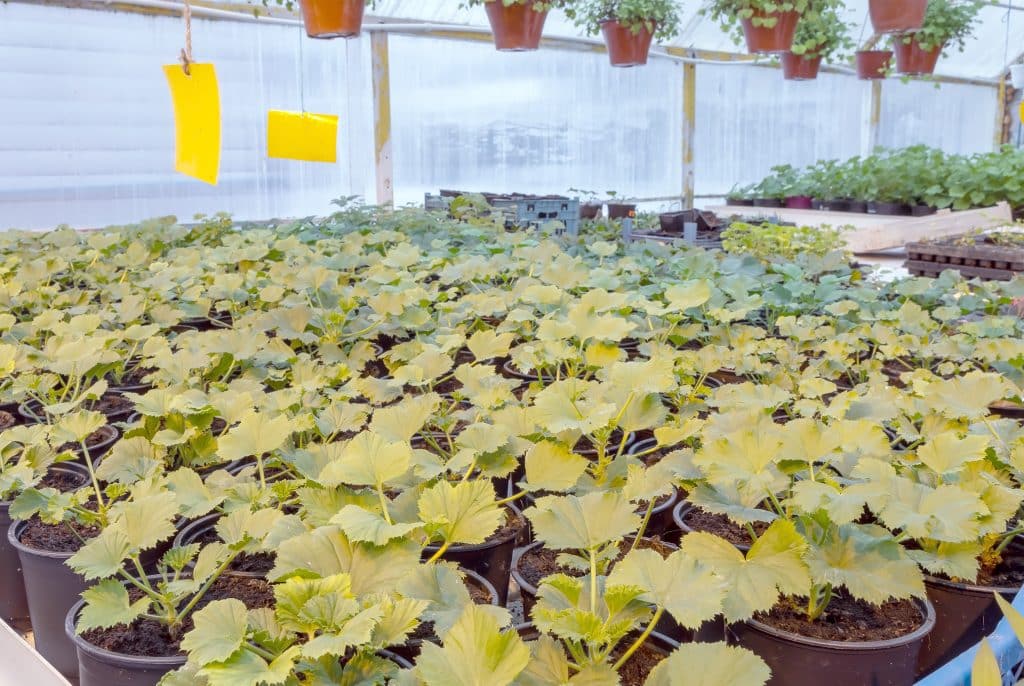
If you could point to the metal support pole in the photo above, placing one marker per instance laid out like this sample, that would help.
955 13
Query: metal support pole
689 131
382 120
1001 127
872 118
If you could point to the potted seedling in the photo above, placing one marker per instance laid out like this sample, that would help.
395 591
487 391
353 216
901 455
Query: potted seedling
590 206
946 22
820 35
766 26
629 26
619 207
518 25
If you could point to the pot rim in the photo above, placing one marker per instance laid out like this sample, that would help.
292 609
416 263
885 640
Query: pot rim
117 659
923 605
972 588
677 517
13 537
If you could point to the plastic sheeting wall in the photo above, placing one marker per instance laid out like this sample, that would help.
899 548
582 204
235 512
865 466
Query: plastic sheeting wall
467 117
87 127
749 119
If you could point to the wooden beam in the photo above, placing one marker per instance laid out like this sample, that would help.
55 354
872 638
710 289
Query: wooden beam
867 233
1001 128
871 117
689 131
385 168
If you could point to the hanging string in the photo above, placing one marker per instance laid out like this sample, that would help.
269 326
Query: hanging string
186 52
1006 47
863 26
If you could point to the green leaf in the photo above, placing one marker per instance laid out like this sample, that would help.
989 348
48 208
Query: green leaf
368 460
948 454
364 526
219 631
147 520
476 652
256 434
78 426
488 344
102 556
355 631
441 586
710 664
398 619
690 591
553 467
773 566
868 562
245 668
466 512
583 523
985 668
107 604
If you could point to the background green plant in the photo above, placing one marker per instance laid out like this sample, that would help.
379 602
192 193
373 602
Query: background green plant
661 17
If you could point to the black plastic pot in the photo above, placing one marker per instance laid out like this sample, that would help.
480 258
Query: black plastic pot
739 202
922 210
858 206
800 661
590 210
491 560
672 222
835 205
13 603
769 202
99 667
897 209
52 588
964 614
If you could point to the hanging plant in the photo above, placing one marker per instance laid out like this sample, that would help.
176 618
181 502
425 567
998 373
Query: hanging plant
331 18
629 26
820 35
517 24
766 25
946 22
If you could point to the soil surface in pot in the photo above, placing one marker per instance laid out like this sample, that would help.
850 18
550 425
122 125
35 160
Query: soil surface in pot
640 665
7 420
100 435
256 563
147 638
847 619
63 481
720 525
112 404
68 537
541 562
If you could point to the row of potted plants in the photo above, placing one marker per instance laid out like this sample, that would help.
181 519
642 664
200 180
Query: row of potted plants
316 453
914 180
802 32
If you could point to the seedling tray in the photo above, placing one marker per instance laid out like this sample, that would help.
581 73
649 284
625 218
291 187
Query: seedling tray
982 259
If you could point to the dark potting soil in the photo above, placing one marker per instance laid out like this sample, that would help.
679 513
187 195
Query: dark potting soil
541 562
7 420
377 369
640 664
256 563
720 525
1009 573
57 538
846 619
63 481
147 638
100 435
112 404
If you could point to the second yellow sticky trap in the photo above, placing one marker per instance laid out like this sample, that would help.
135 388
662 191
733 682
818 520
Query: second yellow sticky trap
302 136
196 100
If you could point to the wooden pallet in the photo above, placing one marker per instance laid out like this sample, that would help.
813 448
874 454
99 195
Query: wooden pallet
984 261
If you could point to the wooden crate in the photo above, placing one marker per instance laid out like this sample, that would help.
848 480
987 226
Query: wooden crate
982 260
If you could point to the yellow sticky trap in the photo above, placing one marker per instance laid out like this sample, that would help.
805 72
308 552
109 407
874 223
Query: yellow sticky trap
302 136
196 120
1022 111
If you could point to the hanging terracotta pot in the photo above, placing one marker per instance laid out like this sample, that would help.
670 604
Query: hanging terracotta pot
332 18
800 67
897 16
873 64
625 48
778 38
913 60
517 27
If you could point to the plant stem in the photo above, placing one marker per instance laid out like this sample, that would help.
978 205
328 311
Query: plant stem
593 580
440 551
643 525
639 641
383 502
206 587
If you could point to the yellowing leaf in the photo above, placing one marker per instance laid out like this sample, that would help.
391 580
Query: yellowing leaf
257 434
553 467
476 652
710 664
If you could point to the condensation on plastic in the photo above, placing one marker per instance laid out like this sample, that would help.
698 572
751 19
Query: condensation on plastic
88 132
467 117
